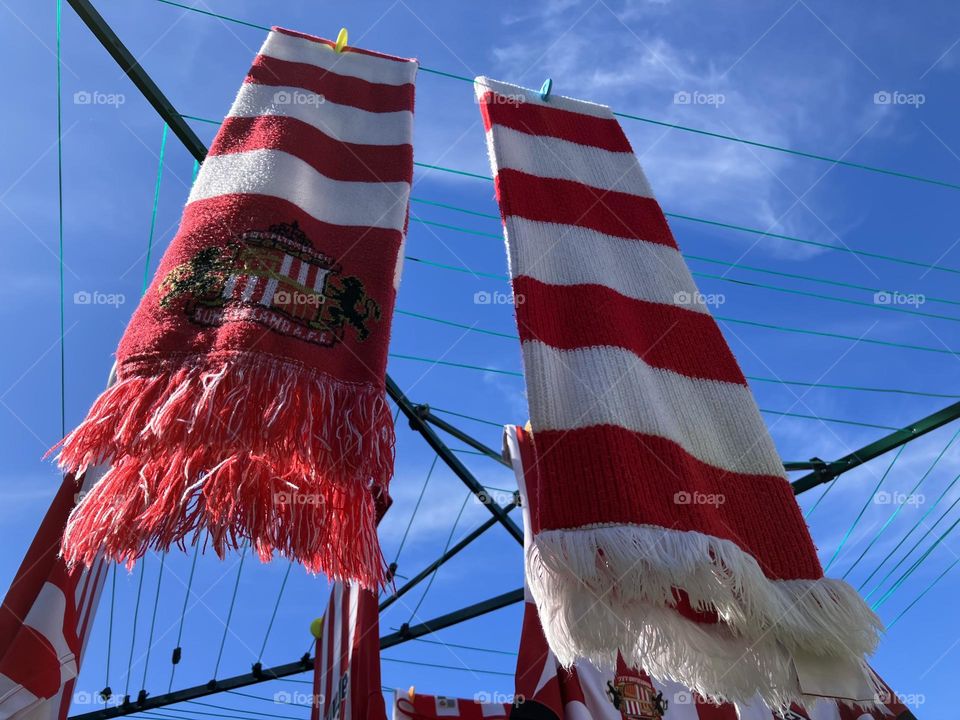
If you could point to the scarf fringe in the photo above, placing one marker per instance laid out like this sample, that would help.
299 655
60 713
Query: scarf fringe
602 588
248 447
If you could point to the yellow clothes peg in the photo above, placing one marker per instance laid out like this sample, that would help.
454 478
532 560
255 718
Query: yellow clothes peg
341 40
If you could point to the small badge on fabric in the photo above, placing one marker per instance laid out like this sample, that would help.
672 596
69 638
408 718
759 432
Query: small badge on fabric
277 279
636 698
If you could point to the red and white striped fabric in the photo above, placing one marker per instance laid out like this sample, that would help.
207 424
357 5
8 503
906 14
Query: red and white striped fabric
667 527
250 400
546 691
346 671
420 706
45 619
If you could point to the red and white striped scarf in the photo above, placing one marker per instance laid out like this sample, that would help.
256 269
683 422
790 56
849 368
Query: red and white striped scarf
666 527
583 691
250 399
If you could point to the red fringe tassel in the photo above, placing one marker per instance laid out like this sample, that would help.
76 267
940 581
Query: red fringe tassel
245 448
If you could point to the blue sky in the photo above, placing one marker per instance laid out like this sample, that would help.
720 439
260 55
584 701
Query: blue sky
803 75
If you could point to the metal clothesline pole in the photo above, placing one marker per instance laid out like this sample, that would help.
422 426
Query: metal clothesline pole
304 664
828 471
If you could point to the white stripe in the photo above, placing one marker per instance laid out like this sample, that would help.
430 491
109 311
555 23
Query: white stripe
270 289
229 285
90 608
249 288
302 274
341 122
827 709
320 278
398 268
756 709
567 255
47 616
353 601
551 157
716 422
281 175
519 94
81 585
366 67
15 698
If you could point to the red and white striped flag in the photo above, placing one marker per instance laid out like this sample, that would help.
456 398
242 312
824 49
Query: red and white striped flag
346 670
667 528
46 618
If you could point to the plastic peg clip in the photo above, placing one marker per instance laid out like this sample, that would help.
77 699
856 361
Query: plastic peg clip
341 40
545 89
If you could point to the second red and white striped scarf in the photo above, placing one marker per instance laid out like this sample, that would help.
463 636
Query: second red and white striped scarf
666 527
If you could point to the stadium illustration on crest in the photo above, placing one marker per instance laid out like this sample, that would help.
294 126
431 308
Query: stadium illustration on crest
275 278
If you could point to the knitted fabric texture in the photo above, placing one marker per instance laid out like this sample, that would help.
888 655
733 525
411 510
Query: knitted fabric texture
583 691
250 400
666 527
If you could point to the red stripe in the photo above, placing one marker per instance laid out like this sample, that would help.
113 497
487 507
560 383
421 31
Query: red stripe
709 711
571 203
330 43
645 475
664 336
329 628
340 89
535 119
317 680
226 216
330 157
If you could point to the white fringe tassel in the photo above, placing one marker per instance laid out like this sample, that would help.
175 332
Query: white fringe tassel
607 587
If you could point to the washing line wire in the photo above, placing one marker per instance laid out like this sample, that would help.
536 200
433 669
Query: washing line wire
771 412
493 651
136 615
660 123
808 513
899 507
446 547
416 507
156 204
919 597
448 667
917 544
113 597
870 498
883 299
706 259
913 568
153 621
63 354
183 613
680 216
273 615
903 539
233 601
733 320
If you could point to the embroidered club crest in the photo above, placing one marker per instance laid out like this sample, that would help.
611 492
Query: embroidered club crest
275 278
636 698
